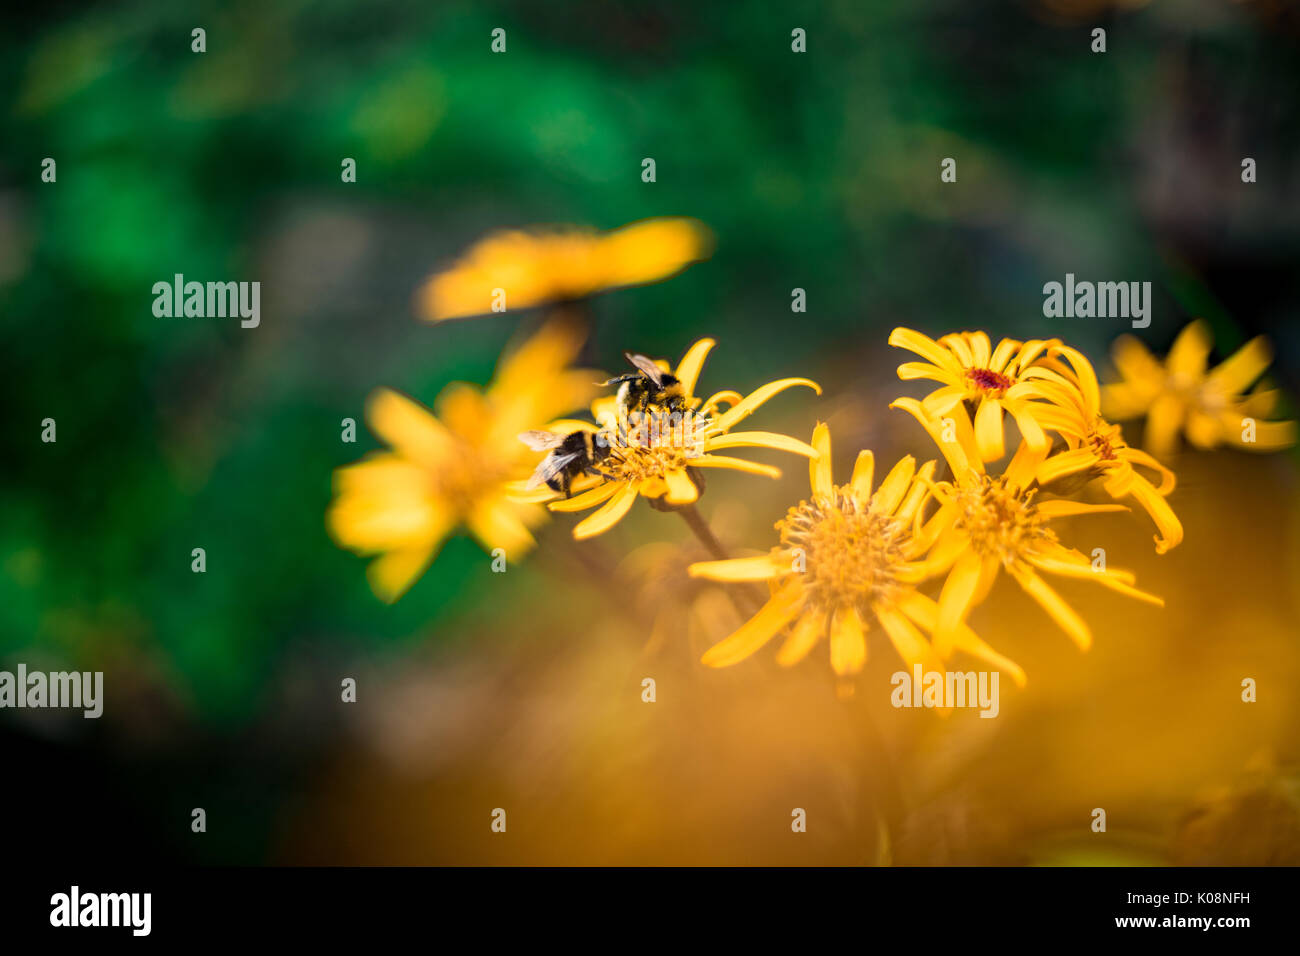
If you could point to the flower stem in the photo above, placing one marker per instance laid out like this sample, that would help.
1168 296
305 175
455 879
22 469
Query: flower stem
752 598
691 515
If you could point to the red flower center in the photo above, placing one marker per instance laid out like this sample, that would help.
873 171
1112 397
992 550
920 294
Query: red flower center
988 380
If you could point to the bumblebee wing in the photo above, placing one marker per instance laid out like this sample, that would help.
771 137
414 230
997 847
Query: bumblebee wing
541 441
551 466
647 368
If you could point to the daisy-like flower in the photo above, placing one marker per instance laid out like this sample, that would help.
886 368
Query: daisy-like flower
659 457
1095 448
521 269
1184 395
991 380
847 557
987 524
456 467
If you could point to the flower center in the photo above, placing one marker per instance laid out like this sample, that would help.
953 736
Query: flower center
850 554
463 479
999 522
651 446
987 380
1105 441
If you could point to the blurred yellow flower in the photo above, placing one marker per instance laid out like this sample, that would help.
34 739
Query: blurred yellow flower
658 458
1209 406
987 524
521 269
992 380
846 555
457 467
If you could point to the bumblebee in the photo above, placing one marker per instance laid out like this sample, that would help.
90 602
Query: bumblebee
571 455
648 385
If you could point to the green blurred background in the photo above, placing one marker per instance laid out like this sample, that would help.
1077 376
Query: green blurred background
816 170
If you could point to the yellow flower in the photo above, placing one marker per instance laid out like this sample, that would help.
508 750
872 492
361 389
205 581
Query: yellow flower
1095 448
658 458
847 556
538 266
1181 395
987 524
992 380
457 467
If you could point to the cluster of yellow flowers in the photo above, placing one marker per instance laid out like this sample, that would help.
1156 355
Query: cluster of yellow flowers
849 556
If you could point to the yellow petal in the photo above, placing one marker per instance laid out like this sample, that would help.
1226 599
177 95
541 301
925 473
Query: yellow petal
925 612
1116 580
1023 467
735 464
497 525
1065 463
384 504
925 347
1030 429
1237 372
761 568
988 430
688 370
761 440
681 490
1003 354
588 499
1064 508
1120 402
1269 436
819 468
956 451
609 514
848 641
1135 361
759 629
1167 523
864 472
653 249
1190 352
409 427
807 631
895 485
1085 376
1164 418
755 399
948 543
726 397
910 643
911 371
960 348
956 599
1054 604
943 400
910 507
1168 480
392 574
